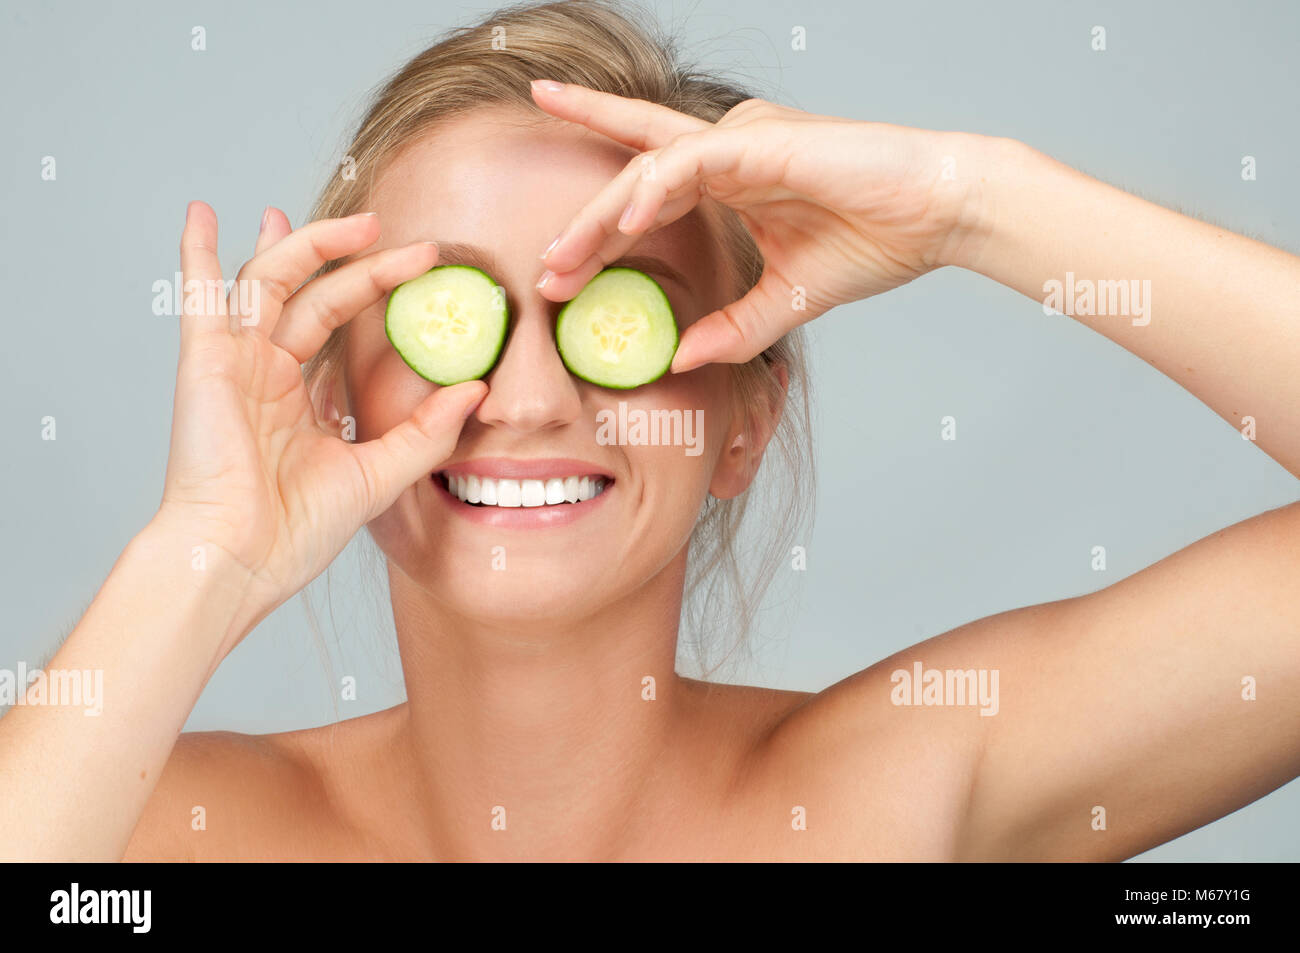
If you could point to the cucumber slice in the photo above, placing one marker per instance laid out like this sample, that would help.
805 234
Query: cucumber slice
449 324
619 331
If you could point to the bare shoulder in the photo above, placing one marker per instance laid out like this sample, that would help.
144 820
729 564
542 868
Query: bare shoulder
865 769
905 760
224 795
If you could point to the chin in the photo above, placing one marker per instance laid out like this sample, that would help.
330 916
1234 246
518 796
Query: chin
529 593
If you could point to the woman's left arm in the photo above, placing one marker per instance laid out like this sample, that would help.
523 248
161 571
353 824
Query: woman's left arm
845 210
1172 697
1216 312
1129 715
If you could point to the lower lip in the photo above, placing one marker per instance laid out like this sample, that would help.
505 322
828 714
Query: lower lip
518 517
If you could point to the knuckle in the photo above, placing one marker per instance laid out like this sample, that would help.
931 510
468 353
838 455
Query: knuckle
748 108
277 288
325 312
684 139
381 280
636 166
739 330
602 230
319 249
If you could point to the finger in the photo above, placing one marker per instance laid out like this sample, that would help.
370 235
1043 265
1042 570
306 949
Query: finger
412 450
691 161
202 290
587 230
275 226
742 330
633 201
335 298
633 122
562 287
599 229
267 280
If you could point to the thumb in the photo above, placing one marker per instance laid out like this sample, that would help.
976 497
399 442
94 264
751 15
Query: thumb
412 449
740 331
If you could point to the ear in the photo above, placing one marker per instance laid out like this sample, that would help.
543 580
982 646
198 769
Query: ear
747 440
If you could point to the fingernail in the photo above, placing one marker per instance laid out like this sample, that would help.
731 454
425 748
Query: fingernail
551 247
626 216
266 217
546 277
364 215
682 365
547 85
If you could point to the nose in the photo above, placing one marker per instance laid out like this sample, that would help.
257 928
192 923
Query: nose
530 389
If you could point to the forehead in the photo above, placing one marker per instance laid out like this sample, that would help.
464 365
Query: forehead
508 183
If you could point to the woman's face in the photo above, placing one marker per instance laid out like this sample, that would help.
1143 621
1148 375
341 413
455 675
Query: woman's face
501 190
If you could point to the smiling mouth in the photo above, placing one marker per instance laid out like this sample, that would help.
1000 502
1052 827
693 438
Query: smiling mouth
556 491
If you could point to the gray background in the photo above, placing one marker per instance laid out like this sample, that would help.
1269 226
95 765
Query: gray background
1065 440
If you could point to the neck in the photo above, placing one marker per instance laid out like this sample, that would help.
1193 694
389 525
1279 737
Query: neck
543 727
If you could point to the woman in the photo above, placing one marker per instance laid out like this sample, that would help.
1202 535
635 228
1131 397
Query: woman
544 716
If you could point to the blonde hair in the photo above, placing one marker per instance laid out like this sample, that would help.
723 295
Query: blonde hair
608 47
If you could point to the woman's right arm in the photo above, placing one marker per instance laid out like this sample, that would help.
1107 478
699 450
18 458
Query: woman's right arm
74 784
259 498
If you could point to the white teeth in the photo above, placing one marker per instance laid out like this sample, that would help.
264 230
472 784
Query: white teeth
487 491
534 493
508 493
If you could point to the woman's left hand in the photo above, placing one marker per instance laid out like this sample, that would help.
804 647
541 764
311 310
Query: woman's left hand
840 209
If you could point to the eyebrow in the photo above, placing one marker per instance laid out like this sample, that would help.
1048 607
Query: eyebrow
463 253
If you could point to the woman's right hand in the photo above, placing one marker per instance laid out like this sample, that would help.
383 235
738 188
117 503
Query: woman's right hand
252 472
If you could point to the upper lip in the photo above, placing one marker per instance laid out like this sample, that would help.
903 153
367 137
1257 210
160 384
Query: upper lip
505 468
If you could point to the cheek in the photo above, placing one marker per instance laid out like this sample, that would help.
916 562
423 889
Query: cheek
684 420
